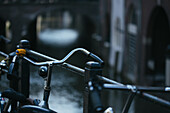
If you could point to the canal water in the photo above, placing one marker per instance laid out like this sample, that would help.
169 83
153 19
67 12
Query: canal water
66 94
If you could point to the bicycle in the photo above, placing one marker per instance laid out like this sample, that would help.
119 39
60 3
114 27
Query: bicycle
94 83
22 52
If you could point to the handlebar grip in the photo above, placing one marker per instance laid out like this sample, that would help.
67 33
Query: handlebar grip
11 67
97 58
96 101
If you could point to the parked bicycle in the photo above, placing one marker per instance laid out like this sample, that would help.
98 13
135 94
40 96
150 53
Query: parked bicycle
45 72
93 80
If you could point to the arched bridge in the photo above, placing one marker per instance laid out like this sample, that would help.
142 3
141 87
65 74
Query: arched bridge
18 20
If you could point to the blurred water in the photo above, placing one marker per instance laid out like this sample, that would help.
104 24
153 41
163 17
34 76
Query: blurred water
66 87
64 97
58 37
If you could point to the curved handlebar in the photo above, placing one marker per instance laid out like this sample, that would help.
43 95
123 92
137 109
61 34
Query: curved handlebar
37 63
63 61
52 60
55 61
95 57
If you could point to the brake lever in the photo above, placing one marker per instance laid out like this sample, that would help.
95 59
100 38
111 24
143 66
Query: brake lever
11 68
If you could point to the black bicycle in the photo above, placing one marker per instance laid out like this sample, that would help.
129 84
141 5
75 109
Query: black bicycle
44 71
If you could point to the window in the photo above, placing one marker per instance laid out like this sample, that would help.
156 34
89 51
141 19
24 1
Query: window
118 33
131 44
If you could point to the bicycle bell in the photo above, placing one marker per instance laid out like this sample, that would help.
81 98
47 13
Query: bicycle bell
43 71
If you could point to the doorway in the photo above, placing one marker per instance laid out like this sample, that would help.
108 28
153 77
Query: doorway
158 38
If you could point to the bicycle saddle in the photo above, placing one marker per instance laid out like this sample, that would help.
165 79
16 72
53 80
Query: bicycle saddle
34 109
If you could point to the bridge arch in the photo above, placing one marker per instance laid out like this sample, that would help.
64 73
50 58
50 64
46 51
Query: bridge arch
61 21
24 19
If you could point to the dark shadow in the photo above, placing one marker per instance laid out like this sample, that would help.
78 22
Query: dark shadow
2 32
32 36
158 38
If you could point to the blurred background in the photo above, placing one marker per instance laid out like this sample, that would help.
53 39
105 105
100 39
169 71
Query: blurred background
131 36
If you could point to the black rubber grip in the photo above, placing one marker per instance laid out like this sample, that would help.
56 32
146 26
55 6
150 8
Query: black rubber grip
12 94
10 75
97 58
96 101
11 67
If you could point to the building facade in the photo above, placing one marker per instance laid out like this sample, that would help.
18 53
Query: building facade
155 36
145 37
117 34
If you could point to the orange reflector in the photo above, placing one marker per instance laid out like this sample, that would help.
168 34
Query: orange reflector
20 52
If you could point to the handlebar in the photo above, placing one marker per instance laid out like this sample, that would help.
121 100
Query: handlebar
55 61
140 91
3 54
62 62
137 88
